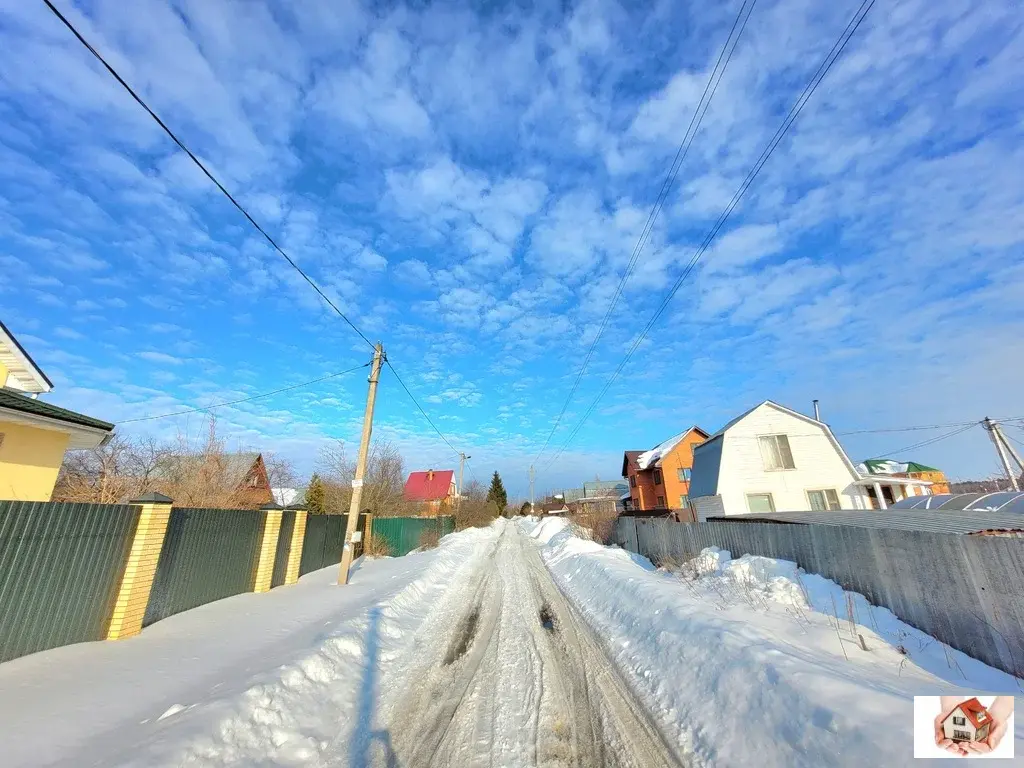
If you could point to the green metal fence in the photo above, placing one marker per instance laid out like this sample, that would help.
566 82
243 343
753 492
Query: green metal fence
404 534
325 538
208 554
60 570
284 541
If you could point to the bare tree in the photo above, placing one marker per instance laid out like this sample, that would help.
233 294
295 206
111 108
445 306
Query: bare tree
383 484
473 509
119 471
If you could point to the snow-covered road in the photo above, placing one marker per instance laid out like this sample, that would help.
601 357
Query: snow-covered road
517 678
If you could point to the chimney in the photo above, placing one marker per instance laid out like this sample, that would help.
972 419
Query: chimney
430 473
817 413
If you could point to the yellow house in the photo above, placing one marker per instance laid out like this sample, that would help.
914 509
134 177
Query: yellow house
34 434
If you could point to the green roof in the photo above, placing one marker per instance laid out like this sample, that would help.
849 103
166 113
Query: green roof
912 466
16 402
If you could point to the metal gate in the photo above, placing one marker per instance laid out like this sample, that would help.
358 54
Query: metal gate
284 541
207 555
60 571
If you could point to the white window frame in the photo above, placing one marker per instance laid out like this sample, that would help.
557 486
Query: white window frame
824 495
772 444
771 502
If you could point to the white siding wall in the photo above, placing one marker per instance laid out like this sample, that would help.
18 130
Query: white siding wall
818 465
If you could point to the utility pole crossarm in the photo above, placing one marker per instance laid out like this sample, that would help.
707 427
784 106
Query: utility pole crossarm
364 450
1003 449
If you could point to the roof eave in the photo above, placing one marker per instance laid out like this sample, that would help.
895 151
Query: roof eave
82 436
42 380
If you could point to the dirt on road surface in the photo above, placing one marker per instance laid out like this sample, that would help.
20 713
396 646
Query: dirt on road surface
518 680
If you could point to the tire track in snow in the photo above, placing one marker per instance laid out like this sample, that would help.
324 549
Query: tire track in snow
522 677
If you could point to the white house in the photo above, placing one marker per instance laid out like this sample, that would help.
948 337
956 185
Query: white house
773 459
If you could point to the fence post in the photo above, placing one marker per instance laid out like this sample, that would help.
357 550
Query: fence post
295 548
268 547
367 530
137 581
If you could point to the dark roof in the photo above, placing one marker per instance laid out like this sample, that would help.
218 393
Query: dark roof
432 485
28 357
629 457
25 404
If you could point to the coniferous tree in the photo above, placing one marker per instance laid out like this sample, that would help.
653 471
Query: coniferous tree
496 494
316 497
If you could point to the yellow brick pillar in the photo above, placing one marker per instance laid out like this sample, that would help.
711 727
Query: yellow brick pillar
137 581
367 530
268 547
295 550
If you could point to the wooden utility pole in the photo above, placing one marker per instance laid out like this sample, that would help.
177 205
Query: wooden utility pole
1002 448
357 481
462 467
531 489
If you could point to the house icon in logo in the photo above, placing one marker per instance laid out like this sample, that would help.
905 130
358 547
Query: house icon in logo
970 721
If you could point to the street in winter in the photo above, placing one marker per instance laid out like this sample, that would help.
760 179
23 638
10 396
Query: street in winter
511 384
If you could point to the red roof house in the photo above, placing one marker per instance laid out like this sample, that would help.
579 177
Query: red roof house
970 721
434 488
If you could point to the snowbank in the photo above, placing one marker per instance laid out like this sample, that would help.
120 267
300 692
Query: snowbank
747 664
279 678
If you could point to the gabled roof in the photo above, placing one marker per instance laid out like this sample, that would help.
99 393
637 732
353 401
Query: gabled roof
26 375
86 432
975 712
236 466
629 457
432 485
796 414
653 457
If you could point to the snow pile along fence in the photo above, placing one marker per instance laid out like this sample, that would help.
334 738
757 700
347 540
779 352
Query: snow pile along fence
967 591
71 573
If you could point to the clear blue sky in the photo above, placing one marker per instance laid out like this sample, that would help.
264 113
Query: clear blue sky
469 186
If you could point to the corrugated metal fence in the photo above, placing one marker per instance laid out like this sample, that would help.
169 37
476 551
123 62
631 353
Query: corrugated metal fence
404 534
60 570
967 591
207 555
325 538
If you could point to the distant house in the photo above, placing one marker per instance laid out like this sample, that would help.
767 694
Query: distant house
433 489
555 506
887 468
771 458
237 479
659 479
970 721
34 435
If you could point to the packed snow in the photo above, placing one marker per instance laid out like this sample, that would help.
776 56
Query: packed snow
647 458
753 662
518 644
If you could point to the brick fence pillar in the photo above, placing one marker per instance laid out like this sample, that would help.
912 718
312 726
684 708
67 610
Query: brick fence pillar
268 547
295 550
137 581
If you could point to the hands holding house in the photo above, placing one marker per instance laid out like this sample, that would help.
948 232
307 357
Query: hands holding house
961 728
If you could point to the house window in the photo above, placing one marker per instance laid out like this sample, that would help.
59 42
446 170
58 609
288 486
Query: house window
826 499
657 477
760 502
632 481
959 721
254 481
661 502
962 735
683 475
775 452
684 501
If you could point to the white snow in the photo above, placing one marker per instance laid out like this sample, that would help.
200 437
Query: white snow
647 458
275 679
746 664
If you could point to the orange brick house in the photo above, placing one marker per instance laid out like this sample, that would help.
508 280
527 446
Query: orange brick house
660 478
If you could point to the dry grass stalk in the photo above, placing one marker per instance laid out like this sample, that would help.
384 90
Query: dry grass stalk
431 537
376 546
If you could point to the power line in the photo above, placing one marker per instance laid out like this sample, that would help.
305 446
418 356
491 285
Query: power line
245 399
926 442
203 168
834 53
418 406
684 147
